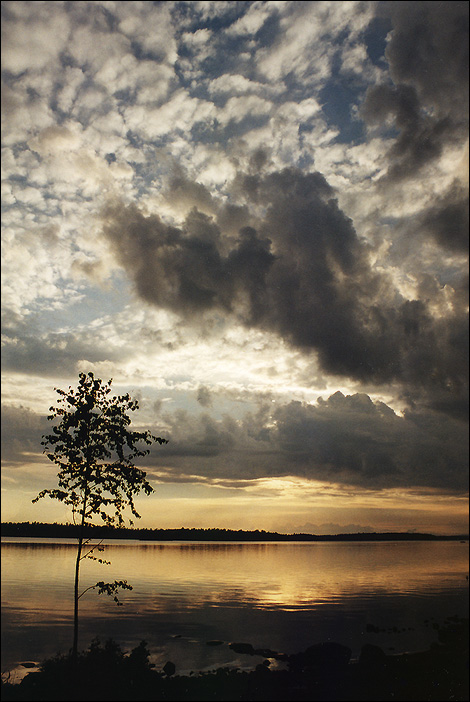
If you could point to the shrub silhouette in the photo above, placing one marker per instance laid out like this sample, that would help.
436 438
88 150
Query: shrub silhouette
103 672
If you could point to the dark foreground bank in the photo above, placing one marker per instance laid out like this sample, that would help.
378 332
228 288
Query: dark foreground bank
322 672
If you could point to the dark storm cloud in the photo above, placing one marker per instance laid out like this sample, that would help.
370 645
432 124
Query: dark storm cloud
196 437
344 440
302 272
352 439
447 220
184 270
297 273
421 137
183 191
428 101
348 440
429 49
320 275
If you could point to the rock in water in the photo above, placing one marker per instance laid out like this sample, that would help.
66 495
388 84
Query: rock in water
169 668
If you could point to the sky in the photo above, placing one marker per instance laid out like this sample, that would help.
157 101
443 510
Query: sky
253 217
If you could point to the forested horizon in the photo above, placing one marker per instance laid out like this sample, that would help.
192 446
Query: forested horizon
61 530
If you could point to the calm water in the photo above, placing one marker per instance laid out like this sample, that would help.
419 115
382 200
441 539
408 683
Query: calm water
283 596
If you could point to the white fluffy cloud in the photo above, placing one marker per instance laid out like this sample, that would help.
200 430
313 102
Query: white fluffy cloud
34 35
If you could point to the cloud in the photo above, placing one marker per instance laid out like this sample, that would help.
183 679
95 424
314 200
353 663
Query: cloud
184 194
354 439
30 349
184 271
253 254
57 138
304 42
24 112
300 271
446 220
427 54
421 138
151 29
428 49
204 396
181 111
344 440
247 107
34 36
236 84
252 21
22 430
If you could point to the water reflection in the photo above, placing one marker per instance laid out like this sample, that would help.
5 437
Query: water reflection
284 596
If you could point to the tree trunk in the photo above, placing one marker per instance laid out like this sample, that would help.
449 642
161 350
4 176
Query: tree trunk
76 595
79 551
77 575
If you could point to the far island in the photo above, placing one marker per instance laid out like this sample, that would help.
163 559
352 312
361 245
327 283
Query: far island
56 531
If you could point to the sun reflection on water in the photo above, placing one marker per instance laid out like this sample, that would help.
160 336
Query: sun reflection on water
277 595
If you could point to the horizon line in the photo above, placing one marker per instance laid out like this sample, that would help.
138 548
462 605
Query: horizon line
67 525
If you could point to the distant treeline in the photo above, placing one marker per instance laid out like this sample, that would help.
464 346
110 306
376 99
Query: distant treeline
55 530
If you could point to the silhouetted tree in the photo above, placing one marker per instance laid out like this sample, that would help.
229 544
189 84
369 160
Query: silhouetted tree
95 451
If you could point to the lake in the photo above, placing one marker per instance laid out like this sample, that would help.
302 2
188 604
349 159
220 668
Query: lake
282 596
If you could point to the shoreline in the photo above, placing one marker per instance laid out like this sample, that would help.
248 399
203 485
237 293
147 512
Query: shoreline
322 672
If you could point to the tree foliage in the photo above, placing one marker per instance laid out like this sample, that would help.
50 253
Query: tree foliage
95 451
